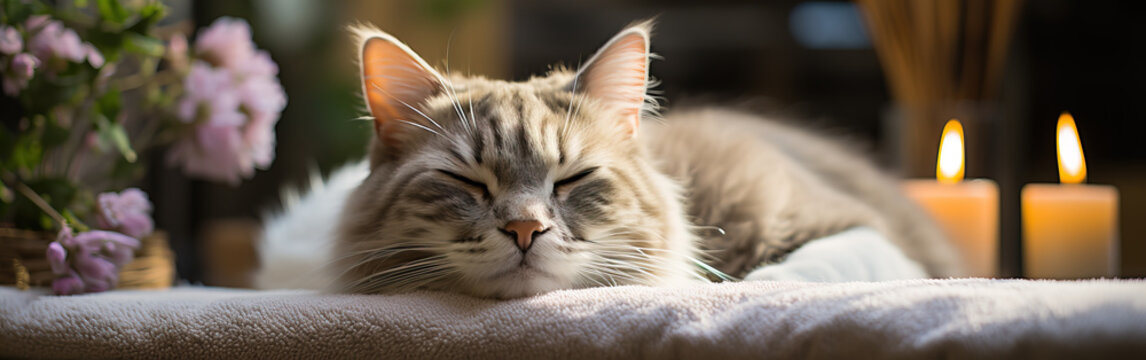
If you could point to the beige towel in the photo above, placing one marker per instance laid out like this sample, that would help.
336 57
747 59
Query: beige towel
953 319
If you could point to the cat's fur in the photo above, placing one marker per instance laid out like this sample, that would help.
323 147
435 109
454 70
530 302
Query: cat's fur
623 197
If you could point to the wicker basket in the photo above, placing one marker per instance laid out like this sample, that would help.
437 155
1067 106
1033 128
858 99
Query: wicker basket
23 261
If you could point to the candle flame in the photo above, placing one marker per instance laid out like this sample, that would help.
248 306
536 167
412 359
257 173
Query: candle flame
949 169
1071 163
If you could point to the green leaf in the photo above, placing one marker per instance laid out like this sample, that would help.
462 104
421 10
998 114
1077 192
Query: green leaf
143 45
149 15
27 153
110 103
115 134
112 11
16 11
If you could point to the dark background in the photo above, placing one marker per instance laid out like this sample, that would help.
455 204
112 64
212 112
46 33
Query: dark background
1085 57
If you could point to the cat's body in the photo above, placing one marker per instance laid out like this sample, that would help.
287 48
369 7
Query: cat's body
507 189
772 187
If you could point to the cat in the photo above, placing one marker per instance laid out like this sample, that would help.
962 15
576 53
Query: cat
573 179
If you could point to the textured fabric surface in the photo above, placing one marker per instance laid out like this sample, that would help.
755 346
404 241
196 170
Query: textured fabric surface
953 319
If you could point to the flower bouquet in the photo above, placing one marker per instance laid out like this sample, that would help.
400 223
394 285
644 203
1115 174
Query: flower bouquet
90 88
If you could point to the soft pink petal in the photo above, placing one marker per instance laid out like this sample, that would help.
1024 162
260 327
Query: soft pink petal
68 285
136 225
226 43
10 40
98 237
118 255
93 55
128 212
36 21
24 65
57 258
98 273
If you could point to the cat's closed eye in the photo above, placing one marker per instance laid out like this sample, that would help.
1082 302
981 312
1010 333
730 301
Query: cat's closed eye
474 184
573 179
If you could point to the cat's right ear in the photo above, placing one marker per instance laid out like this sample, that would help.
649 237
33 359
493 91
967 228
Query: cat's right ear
395 82
617 76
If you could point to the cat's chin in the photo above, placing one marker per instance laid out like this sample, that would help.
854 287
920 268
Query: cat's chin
518 282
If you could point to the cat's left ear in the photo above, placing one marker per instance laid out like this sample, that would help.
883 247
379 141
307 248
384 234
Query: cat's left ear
396 82
617 75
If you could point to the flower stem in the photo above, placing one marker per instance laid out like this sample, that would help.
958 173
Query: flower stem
35 198
136 81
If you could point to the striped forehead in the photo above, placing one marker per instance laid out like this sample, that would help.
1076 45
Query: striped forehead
516 137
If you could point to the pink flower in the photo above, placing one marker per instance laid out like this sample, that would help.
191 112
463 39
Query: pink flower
93 55
97 272
56 41
128 212
68 285
36 21
234 98
260 138
260 65
22 69
58 258
96 259
24 65
226 43
210 87
10 40
262 94
263 99
215 150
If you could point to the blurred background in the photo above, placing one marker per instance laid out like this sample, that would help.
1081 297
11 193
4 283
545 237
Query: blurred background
811 61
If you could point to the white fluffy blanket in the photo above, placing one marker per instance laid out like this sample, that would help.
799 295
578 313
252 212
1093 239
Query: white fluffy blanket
951 319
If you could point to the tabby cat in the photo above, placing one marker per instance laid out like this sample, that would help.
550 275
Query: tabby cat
572 179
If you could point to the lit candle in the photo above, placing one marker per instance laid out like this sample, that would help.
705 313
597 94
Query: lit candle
967 211
1070 230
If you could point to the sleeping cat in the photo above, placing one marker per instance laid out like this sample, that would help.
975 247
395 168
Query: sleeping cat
571 180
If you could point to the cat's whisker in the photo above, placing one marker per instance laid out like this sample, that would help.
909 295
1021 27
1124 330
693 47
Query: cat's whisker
332 266
411 123
470 99
384 92
448 88
627 261
375 256
377 253
569 109
451 90
614 273
410 269
609 274
473 119
646 268
415 280
577 110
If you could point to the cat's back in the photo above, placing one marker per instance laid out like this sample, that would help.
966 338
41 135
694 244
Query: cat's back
770 187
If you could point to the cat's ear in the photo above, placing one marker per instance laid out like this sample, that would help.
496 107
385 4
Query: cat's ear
395 81
617 75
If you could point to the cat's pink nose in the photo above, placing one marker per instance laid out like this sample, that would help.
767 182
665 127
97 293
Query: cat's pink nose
523 231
